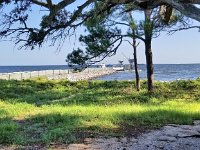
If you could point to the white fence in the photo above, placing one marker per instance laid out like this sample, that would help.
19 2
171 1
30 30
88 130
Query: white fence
51 74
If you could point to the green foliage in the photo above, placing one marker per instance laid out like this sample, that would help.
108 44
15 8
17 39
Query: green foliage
148 26
8 131
104 35
44 112
101 41
41 90
58 135
77 57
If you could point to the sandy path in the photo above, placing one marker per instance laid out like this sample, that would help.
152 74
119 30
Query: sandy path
170 137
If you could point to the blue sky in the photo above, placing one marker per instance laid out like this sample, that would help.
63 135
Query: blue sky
181 48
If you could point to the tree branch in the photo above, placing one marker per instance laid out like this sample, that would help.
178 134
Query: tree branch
40 3
181 29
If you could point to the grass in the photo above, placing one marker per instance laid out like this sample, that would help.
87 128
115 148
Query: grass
42 112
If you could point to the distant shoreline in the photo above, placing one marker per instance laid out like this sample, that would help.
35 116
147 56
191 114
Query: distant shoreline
96 65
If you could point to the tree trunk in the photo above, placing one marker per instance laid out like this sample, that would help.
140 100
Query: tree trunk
149 61
148 31
137 77
136 65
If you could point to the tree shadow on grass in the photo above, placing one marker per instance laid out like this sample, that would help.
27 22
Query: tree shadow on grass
55 128
118 92
8 130
72 93
137 123
41 129
95 93
99 98
35 91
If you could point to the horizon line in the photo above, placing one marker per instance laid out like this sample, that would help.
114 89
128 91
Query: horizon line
99 64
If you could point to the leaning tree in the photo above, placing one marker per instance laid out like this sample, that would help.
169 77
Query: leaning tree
103 35
104 39
59 19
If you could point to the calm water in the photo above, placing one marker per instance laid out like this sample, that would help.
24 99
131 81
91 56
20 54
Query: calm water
9 69
162 72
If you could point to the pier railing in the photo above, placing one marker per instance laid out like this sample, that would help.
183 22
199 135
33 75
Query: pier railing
52 74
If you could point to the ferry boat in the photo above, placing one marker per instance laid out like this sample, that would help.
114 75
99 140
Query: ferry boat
118 68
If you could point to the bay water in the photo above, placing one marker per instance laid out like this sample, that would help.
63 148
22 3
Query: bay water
162 72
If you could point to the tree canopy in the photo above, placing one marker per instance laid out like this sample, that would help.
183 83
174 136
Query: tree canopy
61 16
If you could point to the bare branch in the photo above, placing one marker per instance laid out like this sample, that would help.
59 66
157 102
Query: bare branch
40 3
181 29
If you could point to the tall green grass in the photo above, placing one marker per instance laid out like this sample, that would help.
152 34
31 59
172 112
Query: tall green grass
43 112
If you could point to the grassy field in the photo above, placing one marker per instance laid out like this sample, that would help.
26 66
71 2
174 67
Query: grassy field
42 112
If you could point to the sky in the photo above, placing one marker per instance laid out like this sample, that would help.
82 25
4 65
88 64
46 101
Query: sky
180 48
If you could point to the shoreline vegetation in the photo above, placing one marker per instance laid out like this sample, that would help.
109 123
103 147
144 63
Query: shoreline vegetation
41 112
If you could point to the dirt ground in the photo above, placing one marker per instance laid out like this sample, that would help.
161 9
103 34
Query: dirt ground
170 137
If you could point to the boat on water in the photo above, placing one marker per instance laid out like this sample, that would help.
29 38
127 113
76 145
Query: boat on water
118 68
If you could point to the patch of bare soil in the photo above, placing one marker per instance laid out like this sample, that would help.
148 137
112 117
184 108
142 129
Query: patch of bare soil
170 137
